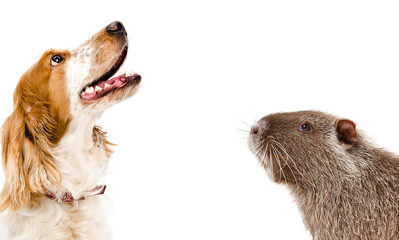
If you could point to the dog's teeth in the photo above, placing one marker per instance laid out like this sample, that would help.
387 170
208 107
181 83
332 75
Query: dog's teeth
97 89
106 85
89 90
129 73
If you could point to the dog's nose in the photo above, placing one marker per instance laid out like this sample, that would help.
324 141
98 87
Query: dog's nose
116 28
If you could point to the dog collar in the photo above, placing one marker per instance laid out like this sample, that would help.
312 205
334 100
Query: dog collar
68 198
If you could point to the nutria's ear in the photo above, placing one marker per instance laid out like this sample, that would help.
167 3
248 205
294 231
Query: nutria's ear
346 130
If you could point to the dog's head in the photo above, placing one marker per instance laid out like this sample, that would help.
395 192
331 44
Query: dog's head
61 86
89 69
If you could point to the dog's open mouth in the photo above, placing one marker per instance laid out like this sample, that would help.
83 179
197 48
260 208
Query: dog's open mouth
106 85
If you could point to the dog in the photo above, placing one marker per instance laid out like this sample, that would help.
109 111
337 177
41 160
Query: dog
53 152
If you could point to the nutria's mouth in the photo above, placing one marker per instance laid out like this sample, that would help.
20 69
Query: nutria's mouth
105 85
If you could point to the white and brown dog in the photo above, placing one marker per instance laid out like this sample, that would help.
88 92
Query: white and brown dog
53 152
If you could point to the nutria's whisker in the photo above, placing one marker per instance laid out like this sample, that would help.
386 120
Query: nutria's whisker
289 158
277 158
240 130
249 125
286 163
263 158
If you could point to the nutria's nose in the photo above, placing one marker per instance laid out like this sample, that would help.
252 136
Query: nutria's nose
254 130
116 28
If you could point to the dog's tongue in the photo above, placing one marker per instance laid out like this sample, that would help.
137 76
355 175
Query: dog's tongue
97 90
113 82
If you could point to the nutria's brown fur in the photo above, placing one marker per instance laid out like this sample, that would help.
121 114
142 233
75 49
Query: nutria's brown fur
345 187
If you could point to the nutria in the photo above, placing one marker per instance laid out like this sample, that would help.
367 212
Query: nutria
346 188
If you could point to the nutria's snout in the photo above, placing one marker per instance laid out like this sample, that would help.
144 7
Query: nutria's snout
254 130
254 136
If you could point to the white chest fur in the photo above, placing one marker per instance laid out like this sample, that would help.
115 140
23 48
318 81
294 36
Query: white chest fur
50 220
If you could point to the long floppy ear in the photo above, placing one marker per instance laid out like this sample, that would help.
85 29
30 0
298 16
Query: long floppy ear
346 130
27 161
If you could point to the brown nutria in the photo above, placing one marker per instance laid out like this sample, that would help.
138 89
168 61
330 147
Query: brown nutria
345 187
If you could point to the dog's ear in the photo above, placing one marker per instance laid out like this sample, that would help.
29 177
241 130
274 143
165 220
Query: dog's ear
27 161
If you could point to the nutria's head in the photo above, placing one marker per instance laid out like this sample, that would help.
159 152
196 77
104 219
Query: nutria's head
297 147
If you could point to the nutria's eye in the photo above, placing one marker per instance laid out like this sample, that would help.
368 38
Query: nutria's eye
56 59
305 127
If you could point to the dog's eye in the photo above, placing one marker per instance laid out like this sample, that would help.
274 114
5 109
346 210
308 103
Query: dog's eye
305 127
56 59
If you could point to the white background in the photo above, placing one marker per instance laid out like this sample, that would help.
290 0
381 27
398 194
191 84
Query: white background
182 169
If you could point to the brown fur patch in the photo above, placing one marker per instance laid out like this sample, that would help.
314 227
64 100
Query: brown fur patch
39 120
